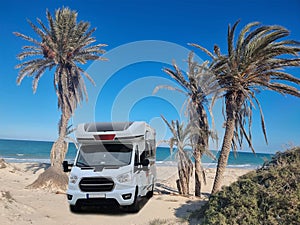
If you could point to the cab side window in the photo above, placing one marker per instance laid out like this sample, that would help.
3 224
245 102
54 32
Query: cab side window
152 149
149 152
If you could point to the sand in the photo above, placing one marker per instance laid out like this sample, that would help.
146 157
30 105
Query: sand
21 206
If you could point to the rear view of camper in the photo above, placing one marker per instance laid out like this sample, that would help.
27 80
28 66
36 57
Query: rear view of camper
114 165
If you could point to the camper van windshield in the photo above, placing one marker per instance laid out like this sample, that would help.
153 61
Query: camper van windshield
104 155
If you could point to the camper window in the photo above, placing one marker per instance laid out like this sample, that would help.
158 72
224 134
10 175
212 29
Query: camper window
105 155
152 147
149 150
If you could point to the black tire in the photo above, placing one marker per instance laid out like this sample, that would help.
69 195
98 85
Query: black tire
75 208
135 207
150 193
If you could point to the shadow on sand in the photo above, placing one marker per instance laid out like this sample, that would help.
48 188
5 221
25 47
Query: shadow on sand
189 207
184 211
35 167
110 210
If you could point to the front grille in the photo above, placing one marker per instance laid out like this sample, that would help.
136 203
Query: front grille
98 202
96 184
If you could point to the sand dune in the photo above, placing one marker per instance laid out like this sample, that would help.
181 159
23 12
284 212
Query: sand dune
20 206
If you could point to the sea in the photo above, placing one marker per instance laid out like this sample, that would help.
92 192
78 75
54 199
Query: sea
18 151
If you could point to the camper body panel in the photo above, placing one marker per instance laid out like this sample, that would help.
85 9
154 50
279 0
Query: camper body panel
126 150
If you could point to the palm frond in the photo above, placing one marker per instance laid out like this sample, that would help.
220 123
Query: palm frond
167 87
171 127
244 134
26 54
283 89
230 39
242 35
279 75
262 119
64 43
255 62
36 29
37 77
178 77
27 38
203 49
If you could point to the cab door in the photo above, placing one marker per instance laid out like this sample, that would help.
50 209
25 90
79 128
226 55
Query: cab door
146 172
137 172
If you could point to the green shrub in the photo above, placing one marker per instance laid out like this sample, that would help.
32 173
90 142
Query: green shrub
269 195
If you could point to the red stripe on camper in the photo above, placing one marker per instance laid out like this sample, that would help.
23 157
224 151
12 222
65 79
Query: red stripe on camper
105 137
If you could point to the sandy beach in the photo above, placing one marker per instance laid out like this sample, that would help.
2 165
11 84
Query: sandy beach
20 206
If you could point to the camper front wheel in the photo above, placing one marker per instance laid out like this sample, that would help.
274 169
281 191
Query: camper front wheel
135 207
150 193
75 208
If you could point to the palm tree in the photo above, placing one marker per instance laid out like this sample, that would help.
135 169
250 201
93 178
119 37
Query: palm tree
197 85
63 45
254 63
181 138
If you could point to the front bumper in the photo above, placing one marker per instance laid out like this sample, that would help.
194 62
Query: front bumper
123 197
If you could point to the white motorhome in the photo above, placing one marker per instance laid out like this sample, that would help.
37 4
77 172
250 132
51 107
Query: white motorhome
115 164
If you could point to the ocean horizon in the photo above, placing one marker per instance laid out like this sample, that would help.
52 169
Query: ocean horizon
21 151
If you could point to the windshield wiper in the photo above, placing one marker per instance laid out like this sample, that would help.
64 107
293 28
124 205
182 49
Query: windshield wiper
81 165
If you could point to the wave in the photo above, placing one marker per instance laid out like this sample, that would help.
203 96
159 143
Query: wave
29 160
24 160
211 165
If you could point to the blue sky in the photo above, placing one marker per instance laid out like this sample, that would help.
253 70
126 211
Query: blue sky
142 37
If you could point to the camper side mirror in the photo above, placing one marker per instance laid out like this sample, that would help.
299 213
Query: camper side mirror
66 166
145 162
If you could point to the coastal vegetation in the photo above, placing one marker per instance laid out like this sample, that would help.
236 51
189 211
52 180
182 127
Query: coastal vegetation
269 195
253 63
62 46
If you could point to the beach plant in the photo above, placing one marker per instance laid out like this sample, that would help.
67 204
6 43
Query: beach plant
197 84
168 221
269 195
181 139
253 63
62 45
158 222
3 164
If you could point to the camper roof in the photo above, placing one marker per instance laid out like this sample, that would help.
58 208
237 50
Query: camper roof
105 126
112 131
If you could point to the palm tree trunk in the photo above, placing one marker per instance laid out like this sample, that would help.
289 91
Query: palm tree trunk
201 144
60 147
182 184
232 103
54 179
223 158
198 175
184 172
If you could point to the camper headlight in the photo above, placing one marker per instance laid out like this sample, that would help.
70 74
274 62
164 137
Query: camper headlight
73 179
124 178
